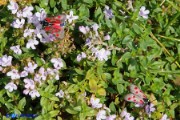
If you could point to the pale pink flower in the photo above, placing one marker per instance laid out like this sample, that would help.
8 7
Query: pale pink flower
102 54
29 83
13 74
57 62
164 117
34 93
95 102
11 86
13 7
30 68
101 115
16 49
24 73
5 60
111 117
31 43
28 32
108 12
60 94
84 30
41 15
18 23
143 12
81 56
71 17
27 11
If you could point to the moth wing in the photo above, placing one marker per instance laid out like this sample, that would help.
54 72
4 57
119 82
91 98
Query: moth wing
138 92
57 32
56 19
133 98
60 34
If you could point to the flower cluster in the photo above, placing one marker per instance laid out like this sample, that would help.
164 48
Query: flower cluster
104 112
94 43
126 115
40 76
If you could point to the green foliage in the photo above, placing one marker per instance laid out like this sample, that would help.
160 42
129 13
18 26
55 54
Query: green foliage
144 52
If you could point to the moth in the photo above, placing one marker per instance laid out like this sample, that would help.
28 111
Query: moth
136 96
55 25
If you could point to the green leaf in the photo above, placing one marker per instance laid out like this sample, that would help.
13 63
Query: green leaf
93 85
71 110
120 88
52 3
136 28
54 113
73 88
22 103
101 91
79 71
112 107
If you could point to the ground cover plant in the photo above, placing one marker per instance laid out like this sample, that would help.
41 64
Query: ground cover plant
90 59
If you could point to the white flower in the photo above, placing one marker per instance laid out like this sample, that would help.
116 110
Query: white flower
107 37
5 61
28 32
27 11
127 116
111 117
1 68
60 94
88 42
31 43
101 115
33 19
13 7
30 68
16 49
56 73
95 102
164 117
19 14
37 78
41 15
57 62
70 17
95 28
143 13
149 108
18 23
34 93
13 74
84 30
11 86
102 54
81 56
108 12
24 73
42 73
26 91
29 83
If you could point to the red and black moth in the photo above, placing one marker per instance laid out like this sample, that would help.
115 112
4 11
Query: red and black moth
55 25
136 96
139 98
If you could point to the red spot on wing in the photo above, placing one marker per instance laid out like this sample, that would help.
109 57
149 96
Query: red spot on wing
136 88
57 35
129 98
136 92
47 28
141 102
48 19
